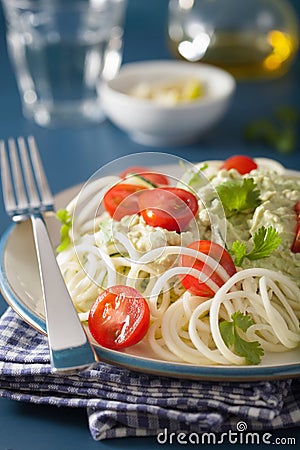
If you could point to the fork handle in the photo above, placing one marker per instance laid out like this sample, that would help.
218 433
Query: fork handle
68 343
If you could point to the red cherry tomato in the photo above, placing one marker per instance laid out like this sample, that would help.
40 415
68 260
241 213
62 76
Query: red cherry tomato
296 244
243 164
215 251
122 200
297 209
169 208
119 318
157 178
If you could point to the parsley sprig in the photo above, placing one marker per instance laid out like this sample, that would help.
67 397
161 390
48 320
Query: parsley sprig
64 217
265 241
238 196
251 351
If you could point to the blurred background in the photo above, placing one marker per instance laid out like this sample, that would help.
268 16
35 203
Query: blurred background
145 38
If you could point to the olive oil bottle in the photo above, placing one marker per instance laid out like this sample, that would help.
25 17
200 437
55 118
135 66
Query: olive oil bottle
252 39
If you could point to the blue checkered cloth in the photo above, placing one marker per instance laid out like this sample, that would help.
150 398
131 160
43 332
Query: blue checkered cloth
124 403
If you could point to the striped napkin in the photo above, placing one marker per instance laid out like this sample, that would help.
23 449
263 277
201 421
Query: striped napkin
123 403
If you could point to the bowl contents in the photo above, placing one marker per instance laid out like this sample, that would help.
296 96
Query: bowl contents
204 269
173 92
167 103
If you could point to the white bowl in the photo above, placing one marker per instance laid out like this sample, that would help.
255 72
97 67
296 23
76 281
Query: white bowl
154 124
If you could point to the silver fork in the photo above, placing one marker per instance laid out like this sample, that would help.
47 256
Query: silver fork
27 195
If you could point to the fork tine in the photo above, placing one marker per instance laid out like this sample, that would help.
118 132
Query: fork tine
28 175
24 182
20 194
8 191
41 179
69 345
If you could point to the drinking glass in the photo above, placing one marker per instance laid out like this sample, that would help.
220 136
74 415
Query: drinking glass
61 51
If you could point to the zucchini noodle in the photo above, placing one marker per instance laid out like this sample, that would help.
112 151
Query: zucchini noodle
184 327
203 343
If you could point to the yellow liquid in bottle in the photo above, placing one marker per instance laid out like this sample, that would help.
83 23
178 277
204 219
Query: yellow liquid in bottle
248 55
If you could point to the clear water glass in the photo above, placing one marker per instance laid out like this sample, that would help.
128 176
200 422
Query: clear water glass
61 51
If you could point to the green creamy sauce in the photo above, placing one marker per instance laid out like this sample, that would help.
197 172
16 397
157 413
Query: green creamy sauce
278 194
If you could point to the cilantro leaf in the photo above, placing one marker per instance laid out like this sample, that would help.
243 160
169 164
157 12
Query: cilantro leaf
237 196
243 321
64 217
239 251
251 351
265 241
227 333
197 177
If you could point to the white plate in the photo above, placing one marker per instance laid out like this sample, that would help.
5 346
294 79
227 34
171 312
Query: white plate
20 285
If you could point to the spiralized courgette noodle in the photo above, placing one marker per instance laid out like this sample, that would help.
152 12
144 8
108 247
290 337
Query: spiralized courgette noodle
184 327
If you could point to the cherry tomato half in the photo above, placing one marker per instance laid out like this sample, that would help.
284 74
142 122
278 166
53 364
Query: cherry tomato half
243 164
157 178
297 209
296 244
119 318
122 200
169 208
215 251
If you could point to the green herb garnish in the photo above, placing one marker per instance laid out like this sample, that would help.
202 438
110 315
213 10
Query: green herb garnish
195 179
106 227
64 217
279 131
265 241
251 351
237 196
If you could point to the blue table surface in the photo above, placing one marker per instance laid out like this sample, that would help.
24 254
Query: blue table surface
72 155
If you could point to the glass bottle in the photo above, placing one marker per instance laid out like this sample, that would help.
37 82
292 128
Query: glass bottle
249 38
